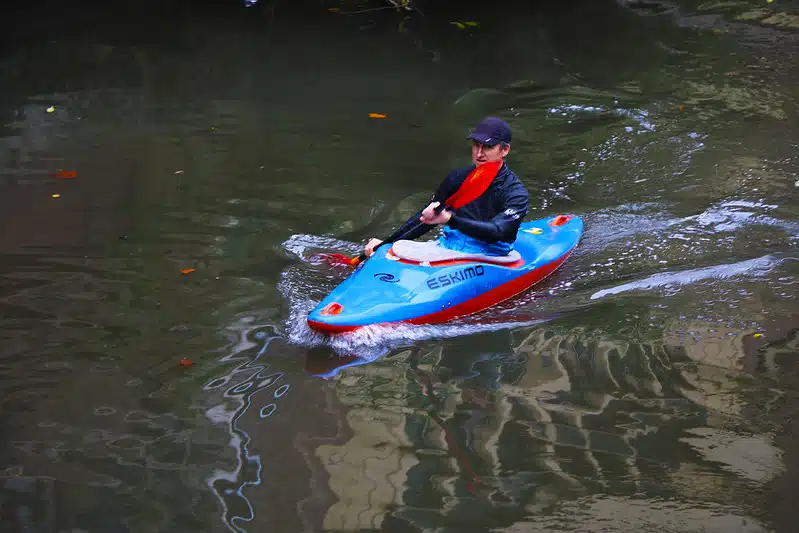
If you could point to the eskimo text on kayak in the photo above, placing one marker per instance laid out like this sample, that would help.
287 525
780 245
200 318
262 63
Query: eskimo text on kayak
467 273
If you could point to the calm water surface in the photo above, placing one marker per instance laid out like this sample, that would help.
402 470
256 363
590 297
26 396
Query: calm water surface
648 386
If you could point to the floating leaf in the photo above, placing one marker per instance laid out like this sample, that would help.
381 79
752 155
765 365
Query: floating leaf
471 23
460 25
377 115
50 109
769 1
178 172
185 271
186 363
67 174
401 4
334 9
757 335
682 108
56 195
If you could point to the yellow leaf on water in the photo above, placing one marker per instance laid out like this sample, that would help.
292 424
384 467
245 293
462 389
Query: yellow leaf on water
187 270
460 25
471 23
756 335
50 109
56 195
769 1
334 9
377 115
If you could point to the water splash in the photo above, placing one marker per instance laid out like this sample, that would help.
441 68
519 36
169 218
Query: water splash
374 341
303 245
640 116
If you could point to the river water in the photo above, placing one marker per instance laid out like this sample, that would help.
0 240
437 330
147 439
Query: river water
164 170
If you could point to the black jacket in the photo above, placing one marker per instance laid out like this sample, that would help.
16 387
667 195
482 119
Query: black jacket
494 216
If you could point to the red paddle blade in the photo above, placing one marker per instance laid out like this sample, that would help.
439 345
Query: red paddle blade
331 259
475 184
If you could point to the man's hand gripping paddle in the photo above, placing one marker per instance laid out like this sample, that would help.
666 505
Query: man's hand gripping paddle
475 184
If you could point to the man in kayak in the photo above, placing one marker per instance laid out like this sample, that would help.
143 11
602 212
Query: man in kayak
487 225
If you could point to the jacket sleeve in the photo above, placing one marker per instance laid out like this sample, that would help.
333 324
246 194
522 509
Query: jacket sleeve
505 225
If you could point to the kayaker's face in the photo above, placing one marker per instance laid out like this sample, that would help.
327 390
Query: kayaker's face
482 153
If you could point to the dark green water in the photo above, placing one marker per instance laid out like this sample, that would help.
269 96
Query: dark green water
648 386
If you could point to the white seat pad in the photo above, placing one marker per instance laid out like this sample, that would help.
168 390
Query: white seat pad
432 252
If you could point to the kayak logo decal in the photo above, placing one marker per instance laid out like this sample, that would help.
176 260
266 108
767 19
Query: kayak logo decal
439 282
388 278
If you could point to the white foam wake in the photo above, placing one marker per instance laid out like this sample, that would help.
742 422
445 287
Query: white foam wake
751 268
371 342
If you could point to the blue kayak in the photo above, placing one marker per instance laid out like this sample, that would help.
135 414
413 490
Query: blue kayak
422 283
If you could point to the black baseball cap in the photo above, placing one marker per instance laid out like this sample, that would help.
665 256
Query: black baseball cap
491 131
